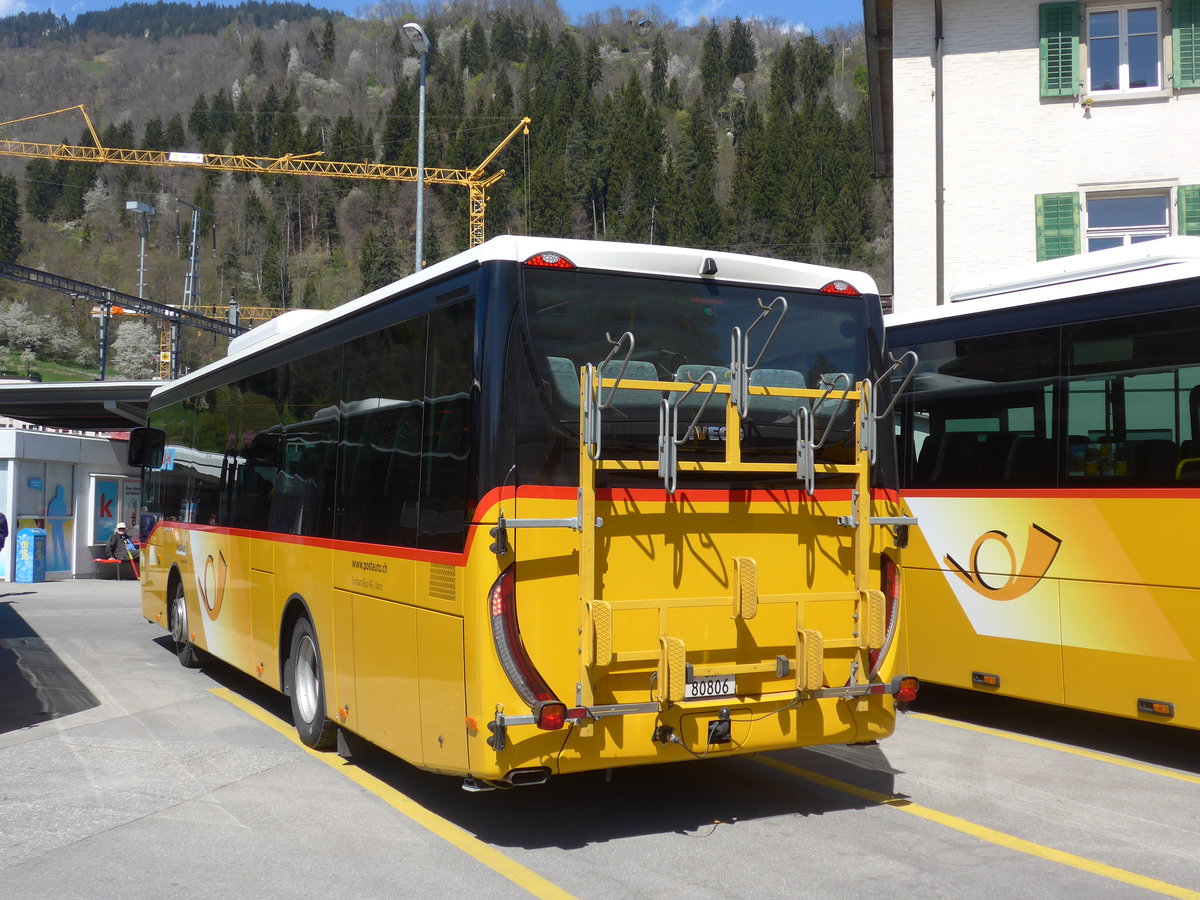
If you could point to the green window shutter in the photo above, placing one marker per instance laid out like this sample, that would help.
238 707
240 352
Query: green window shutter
1060 49
1185 40
1188 198
1057 225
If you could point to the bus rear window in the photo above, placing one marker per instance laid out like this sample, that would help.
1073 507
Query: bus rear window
681 332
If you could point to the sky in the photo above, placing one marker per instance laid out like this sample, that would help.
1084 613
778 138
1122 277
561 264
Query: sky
802 15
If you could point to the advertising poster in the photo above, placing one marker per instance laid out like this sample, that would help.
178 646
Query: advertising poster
104 510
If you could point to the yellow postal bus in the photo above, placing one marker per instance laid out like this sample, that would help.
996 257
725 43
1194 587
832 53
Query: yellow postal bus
1050 446
545 507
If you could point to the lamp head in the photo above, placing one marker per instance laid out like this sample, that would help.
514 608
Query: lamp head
417 37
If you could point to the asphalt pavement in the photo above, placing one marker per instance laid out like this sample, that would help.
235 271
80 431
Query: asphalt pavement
123 774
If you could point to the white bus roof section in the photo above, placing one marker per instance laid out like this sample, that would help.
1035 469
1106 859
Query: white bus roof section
1104 271
636 259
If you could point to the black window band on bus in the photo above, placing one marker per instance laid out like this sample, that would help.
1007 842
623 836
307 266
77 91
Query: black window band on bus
1109 402
370 440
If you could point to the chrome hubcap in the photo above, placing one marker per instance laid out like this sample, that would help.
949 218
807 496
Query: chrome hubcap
307 681
179 619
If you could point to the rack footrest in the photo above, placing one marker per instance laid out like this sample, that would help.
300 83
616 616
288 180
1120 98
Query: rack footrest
810 660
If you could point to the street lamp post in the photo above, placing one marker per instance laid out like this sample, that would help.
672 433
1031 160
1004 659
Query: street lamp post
420 42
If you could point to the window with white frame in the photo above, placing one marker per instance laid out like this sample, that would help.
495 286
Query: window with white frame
1124 48
1116 220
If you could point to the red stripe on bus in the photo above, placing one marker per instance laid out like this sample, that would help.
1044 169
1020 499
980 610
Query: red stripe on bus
1146 493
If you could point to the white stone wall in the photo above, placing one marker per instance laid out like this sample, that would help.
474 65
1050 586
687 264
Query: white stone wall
1004 144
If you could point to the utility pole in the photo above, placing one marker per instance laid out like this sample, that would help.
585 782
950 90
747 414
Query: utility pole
146 210
191 283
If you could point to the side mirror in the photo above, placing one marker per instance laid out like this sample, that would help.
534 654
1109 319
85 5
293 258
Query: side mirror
146 447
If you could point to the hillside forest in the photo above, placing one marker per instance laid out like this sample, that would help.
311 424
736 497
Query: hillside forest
742 135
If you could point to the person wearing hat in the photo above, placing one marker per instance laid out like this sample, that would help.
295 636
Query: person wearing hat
121 546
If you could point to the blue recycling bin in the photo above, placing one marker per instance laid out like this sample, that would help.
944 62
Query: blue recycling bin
31 556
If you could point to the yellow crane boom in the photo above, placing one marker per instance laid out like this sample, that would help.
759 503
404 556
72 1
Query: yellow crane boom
292 164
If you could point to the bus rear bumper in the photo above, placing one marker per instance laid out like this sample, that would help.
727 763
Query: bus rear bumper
627 734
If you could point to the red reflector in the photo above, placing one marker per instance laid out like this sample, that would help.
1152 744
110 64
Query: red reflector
551 715
906 690
549 260
844 288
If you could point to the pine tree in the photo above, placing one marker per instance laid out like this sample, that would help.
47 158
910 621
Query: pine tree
258 65
276 279
745 206
400 134
509 36
265 120
475 49
814 66
700 223
175 137
10 219
153 137
42 189
714 80
328 45
198 121
658 70
379 263
287 136
740 54
783 80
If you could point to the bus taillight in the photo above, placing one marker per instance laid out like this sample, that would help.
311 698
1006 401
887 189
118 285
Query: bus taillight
890 576
510 649
841 288
551 715
906 689
548 260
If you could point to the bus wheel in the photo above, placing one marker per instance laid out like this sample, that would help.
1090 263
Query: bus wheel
188 654
308 689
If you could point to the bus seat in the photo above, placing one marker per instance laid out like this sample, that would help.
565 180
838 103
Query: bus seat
994 456
1153 460
693 372
1188 467
1030 462
564 375
839 381
927 459
957 460
636 370
777 406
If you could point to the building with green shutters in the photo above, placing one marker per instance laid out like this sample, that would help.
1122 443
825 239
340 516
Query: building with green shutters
1017 131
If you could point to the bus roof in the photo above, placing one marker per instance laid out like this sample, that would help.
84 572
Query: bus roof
637 259
1100 272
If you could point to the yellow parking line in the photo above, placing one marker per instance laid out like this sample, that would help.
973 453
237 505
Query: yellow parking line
446 830
1062 748
987 834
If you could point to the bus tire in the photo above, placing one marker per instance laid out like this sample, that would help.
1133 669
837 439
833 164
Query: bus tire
188 653
308 689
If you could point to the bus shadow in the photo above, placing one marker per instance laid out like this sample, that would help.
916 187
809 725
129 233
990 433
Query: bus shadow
570 811
1147 742
691 799
35 684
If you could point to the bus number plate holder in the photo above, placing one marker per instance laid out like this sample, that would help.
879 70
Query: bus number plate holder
703 687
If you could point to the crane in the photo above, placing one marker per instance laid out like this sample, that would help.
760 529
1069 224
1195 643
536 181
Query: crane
476 182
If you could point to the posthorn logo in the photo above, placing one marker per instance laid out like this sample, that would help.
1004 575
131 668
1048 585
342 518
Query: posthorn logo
1040 550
